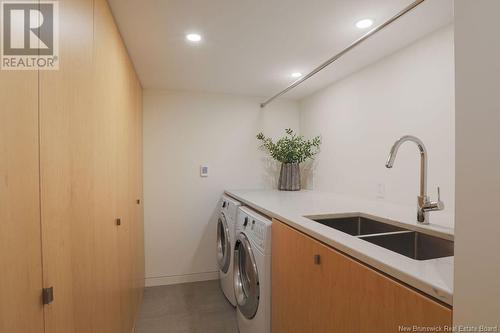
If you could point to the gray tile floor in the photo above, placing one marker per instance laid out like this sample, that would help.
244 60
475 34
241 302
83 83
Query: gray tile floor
198 307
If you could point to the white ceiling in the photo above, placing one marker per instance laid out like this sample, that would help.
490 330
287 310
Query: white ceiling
251 47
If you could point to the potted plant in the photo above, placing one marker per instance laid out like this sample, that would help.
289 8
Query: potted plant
290 151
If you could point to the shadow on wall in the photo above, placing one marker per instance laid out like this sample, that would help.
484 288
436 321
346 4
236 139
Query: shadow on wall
271 171
307 170
209 236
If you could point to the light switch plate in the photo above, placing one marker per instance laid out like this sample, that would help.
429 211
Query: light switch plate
204 171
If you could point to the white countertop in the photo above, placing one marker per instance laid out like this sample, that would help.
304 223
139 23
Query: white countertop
433 277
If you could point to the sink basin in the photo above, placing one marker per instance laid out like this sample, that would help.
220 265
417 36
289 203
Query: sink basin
412 244
357 225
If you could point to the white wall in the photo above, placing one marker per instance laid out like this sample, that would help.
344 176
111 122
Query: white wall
360 117
409 92
477 243
182 131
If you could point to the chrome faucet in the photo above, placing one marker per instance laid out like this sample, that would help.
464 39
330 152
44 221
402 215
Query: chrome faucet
425 205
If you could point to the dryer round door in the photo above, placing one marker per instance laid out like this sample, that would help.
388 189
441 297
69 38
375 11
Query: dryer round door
223 244
246 278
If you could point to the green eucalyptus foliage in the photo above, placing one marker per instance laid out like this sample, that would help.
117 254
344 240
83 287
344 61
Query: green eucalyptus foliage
292 148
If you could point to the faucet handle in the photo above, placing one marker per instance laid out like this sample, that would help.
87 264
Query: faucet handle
431 206
440 204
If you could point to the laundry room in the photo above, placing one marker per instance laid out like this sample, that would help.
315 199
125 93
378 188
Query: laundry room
287 166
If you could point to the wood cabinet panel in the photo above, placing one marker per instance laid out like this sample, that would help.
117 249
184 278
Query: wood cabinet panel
20 244
339 294
69 169
126 107
107 88
138 230
70 165
89 167
293 285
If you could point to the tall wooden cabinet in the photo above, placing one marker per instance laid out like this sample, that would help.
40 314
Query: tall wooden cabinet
318 289
67 149
71 184
20 243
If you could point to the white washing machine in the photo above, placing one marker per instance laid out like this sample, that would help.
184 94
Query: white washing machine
252 272
225 245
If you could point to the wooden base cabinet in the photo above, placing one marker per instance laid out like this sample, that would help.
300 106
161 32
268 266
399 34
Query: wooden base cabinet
318 289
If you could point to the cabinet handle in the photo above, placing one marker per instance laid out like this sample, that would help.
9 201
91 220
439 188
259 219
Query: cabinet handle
47 295
317 259
118 221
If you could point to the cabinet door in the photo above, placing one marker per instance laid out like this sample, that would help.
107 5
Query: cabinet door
338 294
20 246
124 101
301 297
75 183
138 232
115 91
88 110
295 280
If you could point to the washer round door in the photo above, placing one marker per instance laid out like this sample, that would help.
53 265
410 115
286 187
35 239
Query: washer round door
246 278
223 244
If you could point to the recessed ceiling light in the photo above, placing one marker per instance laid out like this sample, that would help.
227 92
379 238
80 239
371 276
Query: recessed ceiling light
296 75
193 37
365 23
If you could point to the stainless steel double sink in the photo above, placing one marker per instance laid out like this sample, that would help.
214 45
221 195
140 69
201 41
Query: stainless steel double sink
413 244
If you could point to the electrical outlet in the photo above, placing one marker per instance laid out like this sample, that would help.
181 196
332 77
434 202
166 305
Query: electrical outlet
380 191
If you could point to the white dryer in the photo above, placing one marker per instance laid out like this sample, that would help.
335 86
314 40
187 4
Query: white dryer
225 245
252 272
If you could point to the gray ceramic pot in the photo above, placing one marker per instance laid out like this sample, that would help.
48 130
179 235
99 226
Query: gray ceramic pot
289 177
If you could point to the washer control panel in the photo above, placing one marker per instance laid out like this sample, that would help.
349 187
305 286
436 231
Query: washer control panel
256 227
230 208
259 232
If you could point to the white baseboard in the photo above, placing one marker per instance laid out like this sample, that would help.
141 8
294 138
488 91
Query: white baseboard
177 279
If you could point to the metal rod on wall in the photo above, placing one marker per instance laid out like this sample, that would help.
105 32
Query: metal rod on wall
344 51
